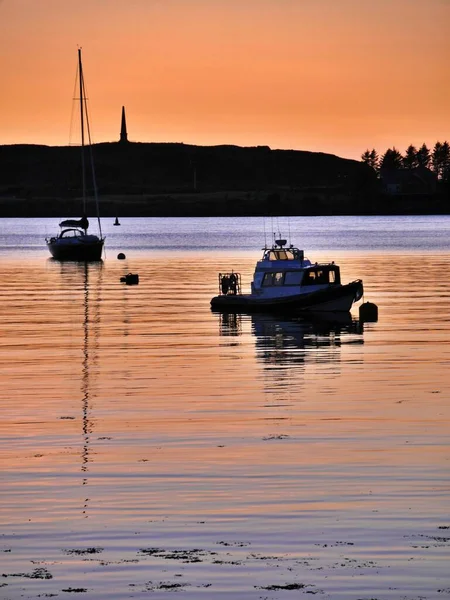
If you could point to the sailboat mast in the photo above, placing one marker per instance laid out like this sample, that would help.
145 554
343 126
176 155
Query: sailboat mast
82 100
94 179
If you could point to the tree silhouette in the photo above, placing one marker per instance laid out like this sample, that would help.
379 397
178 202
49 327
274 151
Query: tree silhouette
410 159
391 159
446 161
370 157
423 156
440 160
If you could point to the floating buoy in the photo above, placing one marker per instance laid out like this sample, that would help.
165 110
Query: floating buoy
368 312
121 256
130 279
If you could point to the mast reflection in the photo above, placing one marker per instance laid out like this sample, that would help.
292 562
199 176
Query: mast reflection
87 278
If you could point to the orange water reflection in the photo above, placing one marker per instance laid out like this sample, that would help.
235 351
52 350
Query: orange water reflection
126 406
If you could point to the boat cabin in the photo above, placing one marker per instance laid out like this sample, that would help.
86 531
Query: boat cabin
285 280
283 271
74 235
314 275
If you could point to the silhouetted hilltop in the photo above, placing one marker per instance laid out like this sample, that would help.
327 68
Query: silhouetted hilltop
179 179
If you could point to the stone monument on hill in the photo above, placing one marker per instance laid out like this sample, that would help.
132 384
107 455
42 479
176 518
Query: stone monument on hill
123 128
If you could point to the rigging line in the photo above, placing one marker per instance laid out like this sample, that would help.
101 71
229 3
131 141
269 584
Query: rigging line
82 101
265 239
91 156
74 97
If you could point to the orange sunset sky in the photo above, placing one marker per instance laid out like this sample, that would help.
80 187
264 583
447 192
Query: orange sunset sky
335 76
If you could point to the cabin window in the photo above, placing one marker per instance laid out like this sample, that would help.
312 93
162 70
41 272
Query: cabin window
293 277
273 279
312 277
320 276
268 278
280 255
277 255
278 278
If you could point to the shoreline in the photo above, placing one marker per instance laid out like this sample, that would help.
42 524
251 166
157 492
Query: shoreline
227 204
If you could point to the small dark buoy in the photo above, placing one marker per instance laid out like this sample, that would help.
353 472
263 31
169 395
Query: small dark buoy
130 279
368 312
116 222
121 256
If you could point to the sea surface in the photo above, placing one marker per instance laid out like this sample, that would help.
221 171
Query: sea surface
150 448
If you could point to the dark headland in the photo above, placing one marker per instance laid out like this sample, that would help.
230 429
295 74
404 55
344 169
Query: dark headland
175 179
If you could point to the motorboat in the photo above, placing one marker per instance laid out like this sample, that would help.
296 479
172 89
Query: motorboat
285 280
73 242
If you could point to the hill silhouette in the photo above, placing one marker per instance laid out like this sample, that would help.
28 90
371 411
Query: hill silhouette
175 179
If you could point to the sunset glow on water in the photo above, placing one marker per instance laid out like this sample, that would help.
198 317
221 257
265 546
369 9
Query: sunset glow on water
150 445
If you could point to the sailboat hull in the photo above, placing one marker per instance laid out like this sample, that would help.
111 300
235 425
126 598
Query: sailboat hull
76 249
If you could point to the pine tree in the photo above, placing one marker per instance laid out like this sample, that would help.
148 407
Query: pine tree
374 159
445 150
423 156
410 159
437 159
391 159
370 157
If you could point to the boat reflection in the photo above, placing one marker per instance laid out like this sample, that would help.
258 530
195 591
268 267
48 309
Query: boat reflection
293 340
85 279
284 340
230 324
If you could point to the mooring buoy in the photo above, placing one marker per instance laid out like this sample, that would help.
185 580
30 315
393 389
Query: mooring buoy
130 279
121 256
368 312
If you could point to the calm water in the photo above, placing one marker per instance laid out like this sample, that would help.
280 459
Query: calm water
149 446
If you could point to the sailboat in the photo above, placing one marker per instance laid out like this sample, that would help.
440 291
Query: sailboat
74 242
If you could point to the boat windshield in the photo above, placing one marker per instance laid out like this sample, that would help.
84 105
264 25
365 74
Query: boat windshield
283 254
72 233
322 274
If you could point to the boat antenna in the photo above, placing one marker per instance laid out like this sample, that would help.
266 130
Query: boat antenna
265 239
82 99
289 231
91 156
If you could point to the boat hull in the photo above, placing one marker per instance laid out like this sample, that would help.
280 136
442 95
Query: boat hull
77 251
336 298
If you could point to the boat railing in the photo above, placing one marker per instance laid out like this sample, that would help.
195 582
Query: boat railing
229 284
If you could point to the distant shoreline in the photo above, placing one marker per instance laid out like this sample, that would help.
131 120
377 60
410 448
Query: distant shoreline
226 204
168 180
